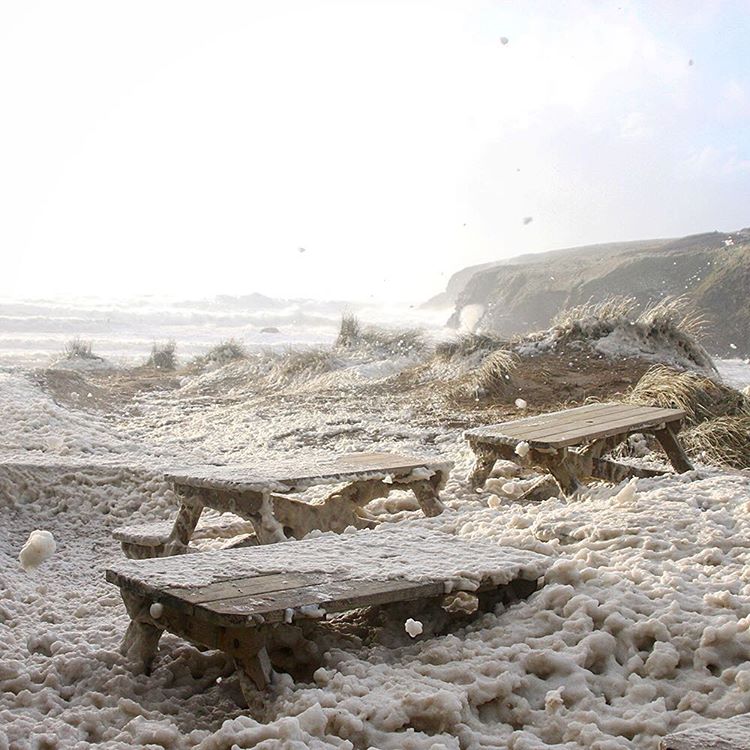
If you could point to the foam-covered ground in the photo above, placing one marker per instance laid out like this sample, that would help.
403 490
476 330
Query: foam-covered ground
642 624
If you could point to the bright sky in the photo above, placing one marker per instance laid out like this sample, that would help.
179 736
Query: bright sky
193 147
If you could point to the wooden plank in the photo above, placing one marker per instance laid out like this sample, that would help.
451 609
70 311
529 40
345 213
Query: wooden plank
333 596
550 418
720 734
596 422
594 412
547 431
521 429
289 477
574 437
250 586
577 432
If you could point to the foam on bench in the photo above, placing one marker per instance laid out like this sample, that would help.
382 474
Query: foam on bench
146 540
261 496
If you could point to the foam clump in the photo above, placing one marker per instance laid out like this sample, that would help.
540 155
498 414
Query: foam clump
39 547
413 627
627 494
522 449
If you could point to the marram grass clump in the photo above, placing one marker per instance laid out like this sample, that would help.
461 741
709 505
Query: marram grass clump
724 441
466 345
700 397
718 416
77 348
491 380
224 352
163 356
301 364
670 324
353 336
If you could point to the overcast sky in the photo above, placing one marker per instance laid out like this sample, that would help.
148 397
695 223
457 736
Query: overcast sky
194 148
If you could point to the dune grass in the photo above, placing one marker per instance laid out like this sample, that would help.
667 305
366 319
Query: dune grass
718 416
466 345
724 441
77 348
699 396
296 364
353 336
224 352
671 323
163 356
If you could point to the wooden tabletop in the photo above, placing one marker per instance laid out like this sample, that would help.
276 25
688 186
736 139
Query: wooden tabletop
575 426
293 476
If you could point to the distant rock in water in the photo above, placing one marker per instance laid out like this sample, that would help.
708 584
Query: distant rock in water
523 294
270 329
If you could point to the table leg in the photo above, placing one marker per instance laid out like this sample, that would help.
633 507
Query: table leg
266 525
668 440
427 497
141 639
256 668
184 525
563 470
483 465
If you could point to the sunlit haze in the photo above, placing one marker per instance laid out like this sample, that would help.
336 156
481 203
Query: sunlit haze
356 150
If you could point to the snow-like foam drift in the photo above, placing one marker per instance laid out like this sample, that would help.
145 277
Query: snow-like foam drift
641 626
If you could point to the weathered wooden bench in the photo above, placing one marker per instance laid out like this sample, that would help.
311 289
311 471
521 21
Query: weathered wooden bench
260 497
720 734
266 606
571 444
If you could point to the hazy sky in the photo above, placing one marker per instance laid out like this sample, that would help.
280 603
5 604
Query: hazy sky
193 148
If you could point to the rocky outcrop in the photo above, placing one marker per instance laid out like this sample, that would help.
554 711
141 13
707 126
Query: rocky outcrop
523 294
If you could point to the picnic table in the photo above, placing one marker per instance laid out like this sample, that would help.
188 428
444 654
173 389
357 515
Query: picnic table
571 443
260 496
266 606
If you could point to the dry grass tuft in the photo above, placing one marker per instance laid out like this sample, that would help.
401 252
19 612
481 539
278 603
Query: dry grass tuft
492 380
701 398
350 332
724 441
227 351
493 376
671 323
673 314
466 345
77 348
163 356
376 340
719 416
298 364
587 316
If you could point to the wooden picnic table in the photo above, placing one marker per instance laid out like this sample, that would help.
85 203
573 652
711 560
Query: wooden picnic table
571 443
266 605
261 497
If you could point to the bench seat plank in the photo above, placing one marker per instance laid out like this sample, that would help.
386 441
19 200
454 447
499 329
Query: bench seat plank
153 533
